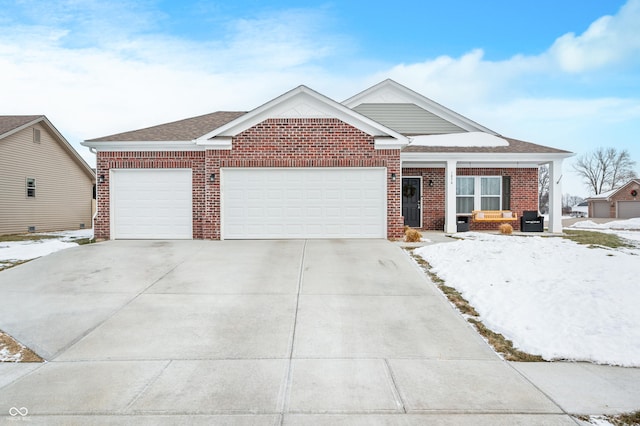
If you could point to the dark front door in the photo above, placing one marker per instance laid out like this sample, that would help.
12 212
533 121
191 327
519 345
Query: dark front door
411 201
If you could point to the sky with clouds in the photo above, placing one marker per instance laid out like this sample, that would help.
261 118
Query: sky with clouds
564 74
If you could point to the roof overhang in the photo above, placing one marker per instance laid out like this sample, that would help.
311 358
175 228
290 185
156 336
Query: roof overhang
479 159
142 146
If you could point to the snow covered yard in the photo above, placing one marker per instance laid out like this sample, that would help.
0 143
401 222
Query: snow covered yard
550 296
629 229
31 246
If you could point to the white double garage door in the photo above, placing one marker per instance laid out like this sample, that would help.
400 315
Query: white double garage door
256 203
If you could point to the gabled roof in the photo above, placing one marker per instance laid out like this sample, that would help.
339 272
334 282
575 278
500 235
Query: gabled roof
609 194
389 91
181 130
216 130
303 102
10 124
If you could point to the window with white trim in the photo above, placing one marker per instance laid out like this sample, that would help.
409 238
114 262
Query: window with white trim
31 187
478 193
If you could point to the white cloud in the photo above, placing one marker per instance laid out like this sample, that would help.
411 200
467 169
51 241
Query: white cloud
610 40
128 79
471 79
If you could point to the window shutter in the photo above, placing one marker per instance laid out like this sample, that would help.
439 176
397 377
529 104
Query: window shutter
506 192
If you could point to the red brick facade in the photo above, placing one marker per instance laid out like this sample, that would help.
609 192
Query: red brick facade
524 193
193 160
309 142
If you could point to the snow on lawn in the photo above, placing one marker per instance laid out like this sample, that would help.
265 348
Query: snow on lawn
627 224
624 228
550 296
30 249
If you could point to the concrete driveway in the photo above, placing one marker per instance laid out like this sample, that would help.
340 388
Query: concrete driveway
250 333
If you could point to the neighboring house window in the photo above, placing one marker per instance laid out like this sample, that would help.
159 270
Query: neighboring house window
31 187
36 135
478 193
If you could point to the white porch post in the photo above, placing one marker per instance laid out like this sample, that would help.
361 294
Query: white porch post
450 224
555 196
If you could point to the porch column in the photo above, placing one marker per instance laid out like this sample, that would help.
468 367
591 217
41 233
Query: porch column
555 196
450 224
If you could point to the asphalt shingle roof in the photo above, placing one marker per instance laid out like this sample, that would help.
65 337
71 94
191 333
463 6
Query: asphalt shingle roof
515 147
194 127
10 122
181 130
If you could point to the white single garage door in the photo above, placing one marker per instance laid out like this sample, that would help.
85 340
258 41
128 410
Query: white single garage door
601 209
151 204
628 209
304 203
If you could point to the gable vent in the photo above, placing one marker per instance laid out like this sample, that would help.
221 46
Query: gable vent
36 135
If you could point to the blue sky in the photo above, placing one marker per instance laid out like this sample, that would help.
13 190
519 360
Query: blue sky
560 73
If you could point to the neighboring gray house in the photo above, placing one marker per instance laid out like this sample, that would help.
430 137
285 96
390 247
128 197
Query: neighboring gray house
623 202
46 185
580 210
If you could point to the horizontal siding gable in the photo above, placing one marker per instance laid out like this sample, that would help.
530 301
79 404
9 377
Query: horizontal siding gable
63 194
408 119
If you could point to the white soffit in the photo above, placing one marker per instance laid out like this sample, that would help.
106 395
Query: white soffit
460 140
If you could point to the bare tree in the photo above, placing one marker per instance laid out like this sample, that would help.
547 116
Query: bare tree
605 169
569 201
543 189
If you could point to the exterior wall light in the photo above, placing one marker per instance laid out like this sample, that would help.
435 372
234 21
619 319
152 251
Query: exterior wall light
430 182
212 177
393 177
101 179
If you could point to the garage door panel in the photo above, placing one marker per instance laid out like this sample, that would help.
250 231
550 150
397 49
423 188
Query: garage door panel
151 203
304 203
628 209
601 209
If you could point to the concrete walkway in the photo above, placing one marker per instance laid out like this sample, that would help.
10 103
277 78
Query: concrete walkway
267 332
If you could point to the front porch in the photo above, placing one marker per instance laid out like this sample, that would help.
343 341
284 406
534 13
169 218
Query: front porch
436 194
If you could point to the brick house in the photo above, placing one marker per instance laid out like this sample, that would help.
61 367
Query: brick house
623 202
305 166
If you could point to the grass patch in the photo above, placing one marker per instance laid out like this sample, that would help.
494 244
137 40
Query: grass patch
500 344
83 241
459 302
13 351
629 419
6 264
595 239
26 237
626 419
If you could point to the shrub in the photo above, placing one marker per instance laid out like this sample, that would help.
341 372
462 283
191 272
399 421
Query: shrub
506 229
411 235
